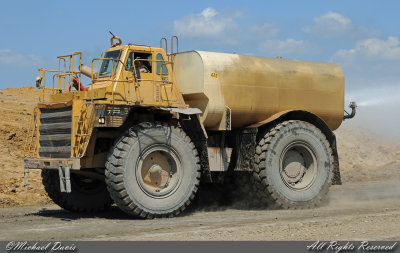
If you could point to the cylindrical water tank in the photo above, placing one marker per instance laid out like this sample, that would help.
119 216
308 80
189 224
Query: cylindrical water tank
255 88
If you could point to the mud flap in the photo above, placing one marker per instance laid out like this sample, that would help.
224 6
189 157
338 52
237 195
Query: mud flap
245 149
336 179
65 180
194 128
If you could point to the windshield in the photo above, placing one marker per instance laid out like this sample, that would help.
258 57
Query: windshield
107 67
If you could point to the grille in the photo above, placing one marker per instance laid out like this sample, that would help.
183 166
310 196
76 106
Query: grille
55 132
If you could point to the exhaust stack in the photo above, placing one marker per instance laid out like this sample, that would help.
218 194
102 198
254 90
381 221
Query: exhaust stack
87 71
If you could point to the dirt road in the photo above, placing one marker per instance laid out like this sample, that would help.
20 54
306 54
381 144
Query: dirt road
356 211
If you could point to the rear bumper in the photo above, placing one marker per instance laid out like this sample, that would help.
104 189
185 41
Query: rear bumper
51 163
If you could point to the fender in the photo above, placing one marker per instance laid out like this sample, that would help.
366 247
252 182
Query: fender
270 119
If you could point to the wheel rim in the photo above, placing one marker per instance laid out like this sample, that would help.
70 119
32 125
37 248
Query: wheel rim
298 166
158 171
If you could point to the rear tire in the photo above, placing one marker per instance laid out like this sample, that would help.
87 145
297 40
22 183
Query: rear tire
153 171
294 165
87 195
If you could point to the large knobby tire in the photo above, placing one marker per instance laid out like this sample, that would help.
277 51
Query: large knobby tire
87 195
294 166
153 170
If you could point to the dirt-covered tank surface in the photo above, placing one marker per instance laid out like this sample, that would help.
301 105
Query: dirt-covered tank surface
366 206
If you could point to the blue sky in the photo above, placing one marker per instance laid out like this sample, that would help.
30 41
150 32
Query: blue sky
362 36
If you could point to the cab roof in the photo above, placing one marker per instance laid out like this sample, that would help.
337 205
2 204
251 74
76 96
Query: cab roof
134 47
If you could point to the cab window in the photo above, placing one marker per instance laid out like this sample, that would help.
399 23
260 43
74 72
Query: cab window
161 65
129 62
108 65
143 58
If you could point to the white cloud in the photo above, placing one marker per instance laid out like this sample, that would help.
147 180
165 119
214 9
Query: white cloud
209 23
12 58
370 63
289 46
371 49
333 24
219 28
211 26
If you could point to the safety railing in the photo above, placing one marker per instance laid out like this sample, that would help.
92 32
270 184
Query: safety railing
62 79
164 83
172 54
84 130
32 141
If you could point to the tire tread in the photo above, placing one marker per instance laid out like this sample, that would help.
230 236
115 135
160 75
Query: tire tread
114 167
265 191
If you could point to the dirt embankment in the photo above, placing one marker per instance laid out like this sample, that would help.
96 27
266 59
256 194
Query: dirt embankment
16 106
363 155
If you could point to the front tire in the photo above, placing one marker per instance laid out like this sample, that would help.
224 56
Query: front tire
87 195
294 165
153 171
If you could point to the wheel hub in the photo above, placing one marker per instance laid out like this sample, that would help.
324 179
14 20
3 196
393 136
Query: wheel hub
155 171
158 171
294 165
298 166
